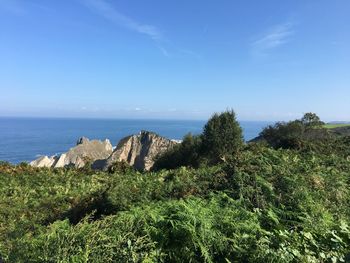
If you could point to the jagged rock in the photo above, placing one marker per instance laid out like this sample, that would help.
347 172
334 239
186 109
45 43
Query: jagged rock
139 150
82 140
44 161
78 156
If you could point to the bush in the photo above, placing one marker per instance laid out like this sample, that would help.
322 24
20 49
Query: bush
222 137
187 153
302 134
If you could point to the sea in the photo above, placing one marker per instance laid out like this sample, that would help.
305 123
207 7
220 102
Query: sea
25 139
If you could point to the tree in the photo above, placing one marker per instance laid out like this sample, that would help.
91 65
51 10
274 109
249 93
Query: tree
298 134
285 135
187 153
222 136
311 120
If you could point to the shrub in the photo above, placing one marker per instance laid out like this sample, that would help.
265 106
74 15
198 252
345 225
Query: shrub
302 134
187 153
222 137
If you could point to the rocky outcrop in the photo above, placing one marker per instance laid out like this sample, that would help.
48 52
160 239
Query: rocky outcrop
44 161
139 150
94 151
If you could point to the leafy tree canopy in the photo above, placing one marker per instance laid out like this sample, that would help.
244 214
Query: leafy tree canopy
311 120
298 134
222 136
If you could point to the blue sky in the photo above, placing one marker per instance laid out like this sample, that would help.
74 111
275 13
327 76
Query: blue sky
268 60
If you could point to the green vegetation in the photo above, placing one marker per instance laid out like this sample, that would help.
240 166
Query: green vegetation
221 139
258 204
339 125
305 133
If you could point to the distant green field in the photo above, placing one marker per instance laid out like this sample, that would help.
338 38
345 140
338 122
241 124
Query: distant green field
332 126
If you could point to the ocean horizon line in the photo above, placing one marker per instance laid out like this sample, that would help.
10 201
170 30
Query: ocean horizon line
124 119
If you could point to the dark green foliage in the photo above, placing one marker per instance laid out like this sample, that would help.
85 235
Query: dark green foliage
191 230
283 135
187 153
222 137
121 167
306 133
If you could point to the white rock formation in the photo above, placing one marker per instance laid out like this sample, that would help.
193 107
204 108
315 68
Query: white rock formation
139 150
78 156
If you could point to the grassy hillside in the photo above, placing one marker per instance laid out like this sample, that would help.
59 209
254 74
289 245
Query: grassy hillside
283 200
264 206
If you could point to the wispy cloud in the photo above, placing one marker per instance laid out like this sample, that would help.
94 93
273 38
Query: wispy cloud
109 12
106 10
164 51
274 37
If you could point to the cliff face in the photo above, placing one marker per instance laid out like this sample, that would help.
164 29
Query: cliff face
139 150
86 150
